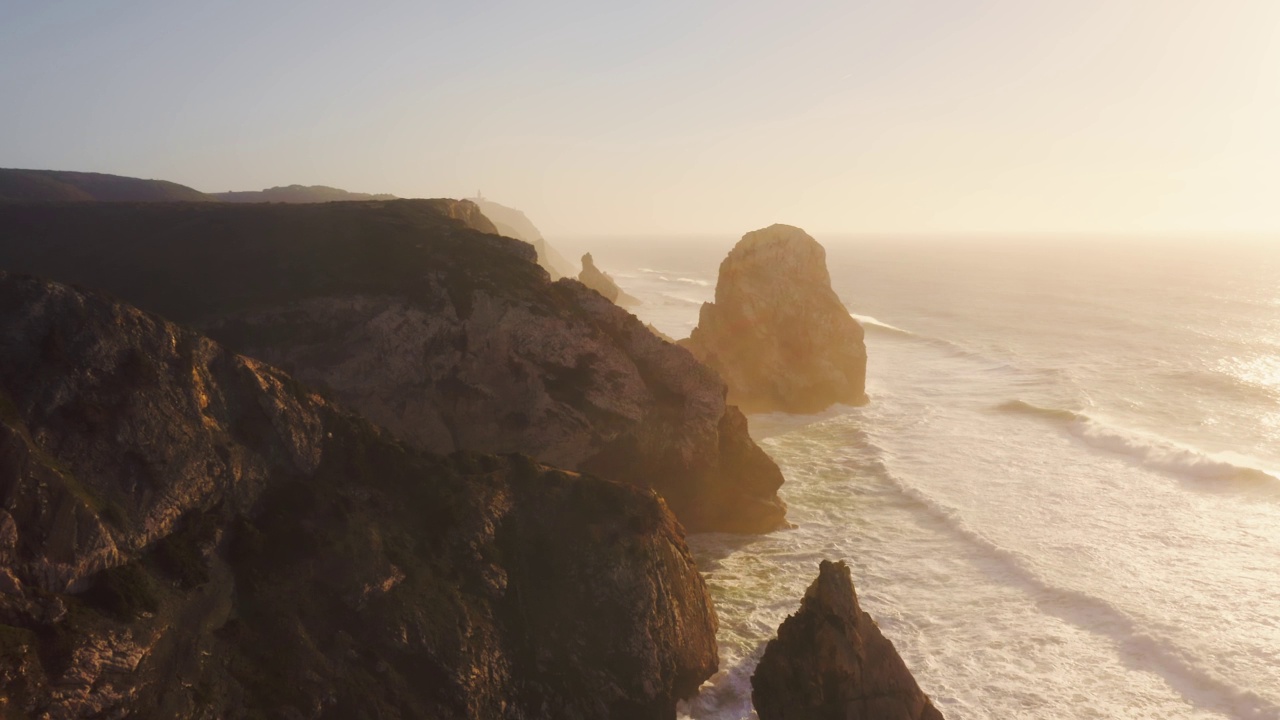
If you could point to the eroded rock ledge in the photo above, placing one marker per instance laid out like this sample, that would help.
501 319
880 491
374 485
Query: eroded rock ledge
415 315
189 533
777 333
830 662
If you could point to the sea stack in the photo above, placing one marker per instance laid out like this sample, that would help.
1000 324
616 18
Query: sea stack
830 662
777 333
601 282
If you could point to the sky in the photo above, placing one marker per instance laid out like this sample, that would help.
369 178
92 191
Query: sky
608 118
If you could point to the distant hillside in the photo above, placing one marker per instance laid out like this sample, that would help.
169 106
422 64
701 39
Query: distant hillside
515 224
57 185
298 194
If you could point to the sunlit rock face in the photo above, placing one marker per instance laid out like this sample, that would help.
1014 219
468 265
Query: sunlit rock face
185 532
830 662
601 282
417 316
776 332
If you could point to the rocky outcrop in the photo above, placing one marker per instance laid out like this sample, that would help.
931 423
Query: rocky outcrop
601 282
830 662
189 533
411 314
776 332
515 224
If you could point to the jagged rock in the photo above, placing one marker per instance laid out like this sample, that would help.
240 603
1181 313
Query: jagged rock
601 282
190 533
515 224
776 332
830 662
410 313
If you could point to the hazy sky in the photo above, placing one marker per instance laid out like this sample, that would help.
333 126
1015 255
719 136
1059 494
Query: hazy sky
624 118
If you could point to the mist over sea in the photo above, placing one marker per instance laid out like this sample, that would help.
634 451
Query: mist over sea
1063 500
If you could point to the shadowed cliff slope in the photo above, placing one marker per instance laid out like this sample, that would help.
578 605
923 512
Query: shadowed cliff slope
830 662
62 186
416 315
189 533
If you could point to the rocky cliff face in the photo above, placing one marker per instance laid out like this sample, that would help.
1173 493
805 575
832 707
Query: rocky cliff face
830 662
515 224
776 332
411 314
189 533
601 282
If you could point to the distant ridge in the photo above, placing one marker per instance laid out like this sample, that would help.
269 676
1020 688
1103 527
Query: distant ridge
17 185
298 194
515 224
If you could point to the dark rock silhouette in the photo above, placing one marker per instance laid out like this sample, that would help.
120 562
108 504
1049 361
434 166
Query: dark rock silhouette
776 332
601 282
189 533
298 194
61 186
830 662
412 313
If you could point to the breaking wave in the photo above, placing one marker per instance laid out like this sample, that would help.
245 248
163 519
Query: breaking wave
1154 452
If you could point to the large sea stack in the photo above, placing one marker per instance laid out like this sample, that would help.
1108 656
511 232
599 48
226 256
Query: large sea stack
415 314
776 332
830 662
189 533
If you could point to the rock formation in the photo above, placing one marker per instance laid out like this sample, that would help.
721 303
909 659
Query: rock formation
412 314
189 533
601 282
830 662
515 224
776 332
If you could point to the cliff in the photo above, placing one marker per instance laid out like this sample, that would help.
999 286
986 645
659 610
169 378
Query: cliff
298 194
515 224
830 662
777 333
189 533
601 282
61 186
412 314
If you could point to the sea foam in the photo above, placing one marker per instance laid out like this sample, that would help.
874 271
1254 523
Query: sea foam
1152 451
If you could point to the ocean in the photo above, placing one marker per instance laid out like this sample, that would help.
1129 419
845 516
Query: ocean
1063 500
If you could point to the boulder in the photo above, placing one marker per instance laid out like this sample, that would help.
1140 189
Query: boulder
777 333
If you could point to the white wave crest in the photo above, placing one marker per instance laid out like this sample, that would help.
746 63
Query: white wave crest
1152 451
